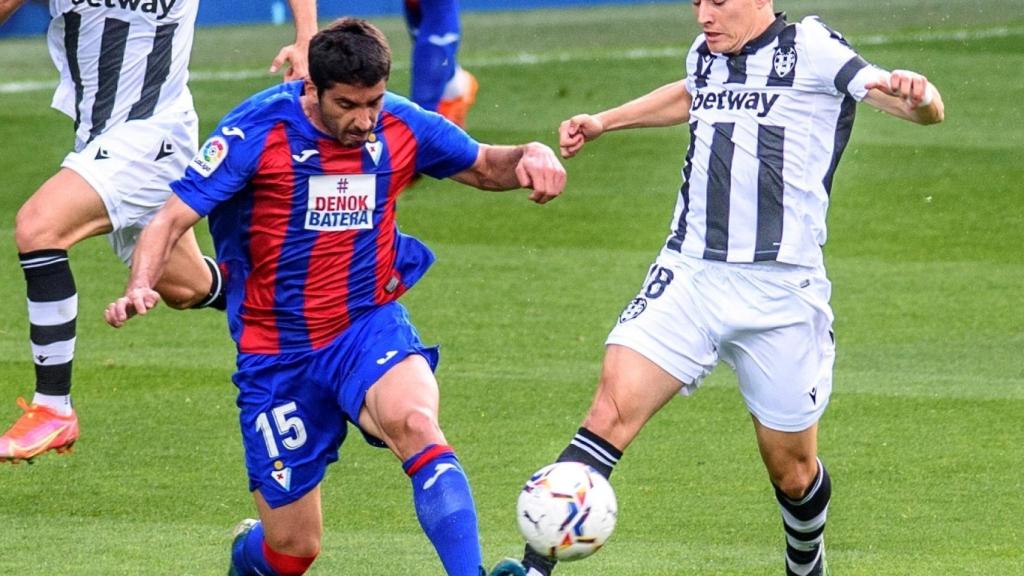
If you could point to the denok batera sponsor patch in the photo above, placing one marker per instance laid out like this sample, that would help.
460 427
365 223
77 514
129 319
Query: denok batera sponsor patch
341 202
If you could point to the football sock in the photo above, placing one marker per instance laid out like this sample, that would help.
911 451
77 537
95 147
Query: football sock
252 557
804 521
434 25
445 508
52 314
59 404
592 450
217 298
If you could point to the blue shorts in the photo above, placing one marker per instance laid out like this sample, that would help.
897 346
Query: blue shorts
295 407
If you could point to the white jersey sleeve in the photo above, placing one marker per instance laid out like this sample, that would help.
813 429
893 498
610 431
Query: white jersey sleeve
836 65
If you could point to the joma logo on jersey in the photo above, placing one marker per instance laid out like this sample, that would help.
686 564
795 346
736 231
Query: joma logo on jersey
159 7
760 102
341 202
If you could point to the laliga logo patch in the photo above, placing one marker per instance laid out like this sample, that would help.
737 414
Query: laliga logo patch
374 147
210 156
282 475
635 308
784 60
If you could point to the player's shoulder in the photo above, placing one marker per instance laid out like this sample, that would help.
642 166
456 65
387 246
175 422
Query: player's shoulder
816 31
417 119
402 107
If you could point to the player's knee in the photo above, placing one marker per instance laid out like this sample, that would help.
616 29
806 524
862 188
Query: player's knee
413 430
795 480
30 231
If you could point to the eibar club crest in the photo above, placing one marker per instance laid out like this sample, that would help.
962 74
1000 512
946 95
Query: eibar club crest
374 147
784 60
282 475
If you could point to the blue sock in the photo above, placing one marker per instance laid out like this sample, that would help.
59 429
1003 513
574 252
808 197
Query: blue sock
247 554
434 25
444 505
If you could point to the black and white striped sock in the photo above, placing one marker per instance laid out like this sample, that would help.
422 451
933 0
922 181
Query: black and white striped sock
592 450
804 521
217 298
52 314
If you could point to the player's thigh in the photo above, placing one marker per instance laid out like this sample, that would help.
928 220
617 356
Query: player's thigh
291 424
401 408
296 528
62 212
632 389
783 351
666 323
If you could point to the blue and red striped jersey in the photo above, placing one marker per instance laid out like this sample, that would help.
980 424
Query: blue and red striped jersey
305 228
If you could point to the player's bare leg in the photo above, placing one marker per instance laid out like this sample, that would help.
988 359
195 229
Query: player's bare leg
64 211
286 539
632 389
803 489
401 409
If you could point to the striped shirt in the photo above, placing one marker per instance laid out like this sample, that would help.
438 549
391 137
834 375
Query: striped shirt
767 128
306 228
120 60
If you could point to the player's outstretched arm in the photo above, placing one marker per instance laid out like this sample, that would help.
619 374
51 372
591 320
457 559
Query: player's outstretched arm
8 7
296 55
668 105
152 252
906 95
532 166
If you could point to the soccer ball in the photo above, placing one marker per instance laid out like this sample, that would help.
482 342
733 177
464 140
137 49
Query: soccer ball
566 511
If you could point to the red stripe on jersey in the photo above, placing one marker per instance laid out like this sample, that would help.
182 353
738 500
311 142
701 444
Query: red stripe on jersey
273 188
330 260
401 145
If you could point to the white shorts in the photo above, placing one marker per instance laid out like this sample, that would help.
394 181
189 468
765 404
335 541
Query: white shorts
770 321
131 167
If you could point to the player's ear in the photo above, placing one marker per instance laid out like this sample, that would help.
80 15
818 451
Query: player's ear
308 87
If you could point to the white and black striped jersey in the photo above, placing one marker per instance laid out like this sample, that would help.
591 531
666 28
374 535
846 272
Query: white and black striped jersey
120 60
767 128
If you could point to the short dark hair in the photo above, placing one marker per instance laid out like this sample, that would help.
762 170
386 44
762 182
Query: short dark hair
349 51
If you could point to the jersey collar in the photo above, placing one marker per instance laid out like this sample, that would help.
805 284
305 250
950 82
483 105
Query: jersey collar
766 37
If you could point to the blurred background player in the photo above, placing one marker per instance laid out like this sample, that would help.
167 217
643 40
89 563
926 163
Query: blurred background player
123 73
438 82
313 281
770 106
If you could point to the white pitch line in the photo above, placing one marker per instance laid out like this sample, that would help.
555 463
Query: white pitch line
534 58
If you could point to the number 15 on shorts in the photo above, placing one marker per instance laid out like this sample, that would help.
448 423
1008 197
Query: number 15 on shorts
289 428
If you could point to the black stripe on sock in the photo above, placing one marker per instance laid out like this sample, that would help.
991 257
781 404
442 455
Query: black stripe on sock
54 380
48 282
586 453
531 559
43 335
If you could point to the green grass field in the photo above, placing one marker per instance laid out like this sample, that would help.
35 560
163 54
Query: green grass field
924 437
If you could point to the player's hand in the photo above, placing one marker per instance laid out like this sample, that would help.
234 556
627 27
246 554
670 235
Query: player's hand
577 131
910 87
135 301
297 58
540 170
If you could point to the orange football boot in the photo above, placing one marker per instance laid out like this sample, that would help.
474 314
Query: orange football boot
457 109
38 430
